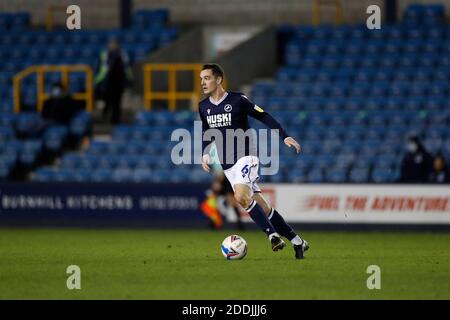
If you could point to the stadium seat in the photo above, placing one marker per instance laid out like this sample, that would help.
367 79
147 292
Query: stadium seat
359 175
336 175
384 175
315 176
54 138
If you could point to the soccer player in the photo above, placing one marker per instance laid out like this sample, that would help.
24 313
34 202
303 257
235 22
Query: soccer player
224 110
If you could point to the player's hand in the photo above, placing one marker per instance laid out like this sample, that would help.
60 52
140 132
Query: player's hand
206 160
289 141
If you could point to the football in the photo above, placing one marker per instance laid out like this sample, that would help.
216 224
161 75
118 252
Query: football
234 247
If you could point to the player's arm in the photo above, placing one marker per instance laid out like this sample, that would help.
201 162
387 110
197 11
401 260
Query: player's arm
258 113
206 158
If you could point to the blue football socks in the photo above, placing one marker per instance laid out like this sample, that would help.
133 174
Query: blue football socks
257 214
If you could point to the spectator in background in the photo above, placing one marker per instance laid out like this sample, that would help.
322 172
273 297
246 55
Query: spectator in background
417 162
113 76
60 107
220 198
222 187
440 173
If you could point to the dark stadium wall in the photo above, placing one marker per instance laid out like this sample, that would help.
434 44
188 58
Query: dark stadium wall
241 63
186 49
252 59
256 11
94 13
105 13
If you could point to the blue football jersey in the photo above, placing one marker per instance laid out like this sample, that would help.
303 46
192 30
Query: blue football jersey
227 116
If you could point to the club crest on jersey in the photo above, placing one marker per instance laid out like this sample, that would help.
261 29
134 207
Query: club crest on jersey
209 110
228 108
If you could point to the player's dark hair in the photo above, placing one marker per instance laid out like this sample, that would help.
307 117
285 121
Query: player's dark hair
216 70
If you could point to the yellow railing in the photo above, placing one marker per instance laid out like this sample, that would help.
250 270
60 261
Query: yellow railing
40 70
172 95
316 6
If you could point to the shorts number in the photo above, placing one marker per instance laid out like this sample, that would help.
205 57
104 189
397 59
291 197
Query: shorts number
244 170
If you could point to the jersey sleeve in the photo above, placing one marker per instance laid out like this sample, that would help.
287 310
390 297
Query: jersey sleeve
258 113
205 127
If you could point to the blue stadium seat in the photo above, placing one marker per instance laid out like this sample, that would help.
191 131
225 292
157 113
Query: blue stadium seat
375 117
102 175
316 47
141 175
316 176
89 162
199 176
365 161
359 175
345 160
354 48
44 174
6 133
359 33
54 138
134 148
98 147
329 146
350 146
127 162
80 125
324 161
122 175
434 145
418 89
379 88
122 133
387 160
384 175
395 133
355 132
370 147
311 146
297 176
360 89
147 161
30 151
336 132
336 175
8 162
28 124
179 175
439 88
392 146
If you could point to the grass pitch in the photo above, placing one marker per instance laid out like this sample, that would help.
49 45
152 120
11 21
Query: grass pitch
175 264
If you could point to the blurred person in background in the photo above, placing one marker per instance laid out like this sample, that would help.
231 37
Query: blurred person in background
113 77
440 173
220 196
417 162
60 107
222 187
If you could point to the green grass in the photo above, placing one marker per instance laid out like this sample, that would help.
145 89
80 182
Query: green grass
150 264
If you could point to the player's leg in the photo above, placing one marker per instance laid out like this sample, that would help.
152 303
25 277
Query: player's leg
233 204
281 226
243 195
